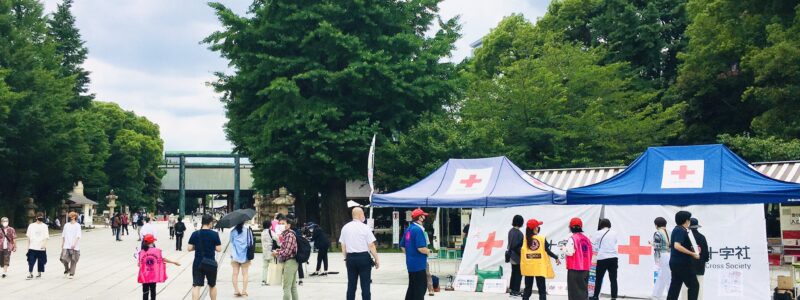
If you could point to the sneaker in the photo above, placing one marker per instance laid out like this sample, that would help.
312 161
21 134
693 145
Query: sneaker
314 274
71 276
324 274
38 275
300 283
263 283
30 276
4 275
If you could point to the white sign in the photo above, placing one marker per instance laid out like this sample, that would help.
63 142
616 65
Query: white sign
488 231
469 181
495 286
683 174
395 227
466 283
737 242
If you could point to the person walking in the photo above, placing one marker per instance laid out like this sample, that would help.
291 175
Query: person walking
513 252
38 234
147 228
241 241
322 243
358 243
171 224
661 255
205 242
579 260
139 225
116 223
180 229
8 237
415 247
534 260
70 245
698 265
681 253
152 267
286 255
269 242
125 224
605 243
135 220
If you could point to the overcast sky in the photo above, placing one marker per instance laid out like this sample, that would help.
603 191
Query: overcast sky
145 55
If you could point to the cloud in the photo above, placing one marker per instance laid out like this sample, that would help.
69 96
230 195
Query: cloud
146 56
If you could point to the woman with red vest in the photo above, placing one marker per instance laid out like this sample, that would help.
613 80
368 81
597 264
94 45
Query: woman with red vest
534 261
579 259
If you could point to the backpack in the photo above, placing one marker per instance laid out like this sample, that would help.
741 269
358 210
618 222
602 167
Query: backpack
180 228
303 250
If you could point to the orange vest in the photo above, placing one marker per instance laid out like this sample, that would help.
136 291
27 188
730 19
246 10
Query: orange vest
534 260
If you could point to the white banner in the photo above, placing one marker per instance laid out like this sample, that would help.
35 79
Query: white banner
737 242
488 234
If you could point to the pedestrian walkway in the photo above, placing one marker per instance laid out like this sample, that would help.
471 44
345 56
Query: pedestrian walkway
107 270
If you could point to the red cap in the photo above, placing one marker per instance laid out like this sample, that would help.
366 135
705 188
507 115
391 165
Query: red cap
149 238
575 222
533 223
417 212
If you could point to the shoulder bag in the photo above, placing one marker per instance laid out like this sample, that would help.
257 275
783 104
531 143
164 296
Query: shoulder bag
251 245
208 262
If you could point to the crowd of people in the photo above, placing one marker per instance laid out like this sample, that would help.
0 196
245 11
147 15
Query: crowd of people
680 257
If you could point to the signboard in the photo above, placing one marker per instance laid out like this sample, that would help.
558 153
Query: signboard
790 225
395 227
495 286
466 283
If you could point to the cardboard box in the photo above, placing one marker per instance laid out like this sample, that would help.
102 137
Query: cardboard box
785 283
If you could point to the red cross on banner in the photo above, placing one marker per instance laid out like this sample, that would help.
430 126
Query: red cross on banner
682 172
473 179
489 244
633 250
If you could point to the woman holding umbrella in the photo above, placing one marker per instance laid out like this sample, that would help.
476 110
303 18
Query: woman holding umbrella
243 245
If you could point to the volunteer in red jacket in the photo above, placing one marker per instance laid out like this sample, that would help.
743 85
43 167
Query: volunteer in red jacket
535 260
579 259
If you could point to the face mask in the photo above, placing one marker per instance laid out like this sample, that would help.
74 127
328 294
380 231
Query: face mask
40 219
279 228
5 224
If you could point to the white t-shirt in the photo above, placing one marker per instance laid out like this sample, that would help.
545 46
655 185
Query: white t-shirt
71 234
37 236
147 228
356 237
606 246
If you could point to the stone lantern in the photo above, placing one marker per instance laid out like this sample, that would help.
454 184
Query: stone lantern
112 202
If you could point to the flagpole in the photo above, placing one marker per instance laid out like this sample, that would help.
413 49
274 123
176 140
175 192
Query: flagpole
370 174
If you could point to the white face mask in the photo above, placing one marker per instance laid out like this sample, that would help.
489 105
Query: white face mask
5 224
279 228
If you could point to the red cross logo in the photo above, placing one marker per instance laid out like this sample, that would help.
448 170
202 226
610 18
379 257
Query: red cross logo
473 179
682 172
489 244
633 250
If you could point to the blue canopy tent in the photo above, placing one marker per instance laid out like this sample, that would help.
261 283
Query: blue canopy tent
687 175
473 183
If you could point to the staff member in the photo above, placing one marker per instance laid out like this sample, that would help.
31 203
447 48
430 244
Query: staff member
682 252
415 246
358 242
698 265
534 261
579 260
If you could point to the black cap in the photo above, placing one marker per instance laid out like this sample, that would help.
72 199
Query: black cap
694 224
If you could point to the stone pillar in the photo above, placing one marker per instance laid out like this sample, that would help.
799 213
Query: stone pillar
112 203
182 186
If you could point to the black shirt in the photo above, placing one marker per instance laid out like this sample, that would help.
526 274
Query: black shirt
205 242
699 265
680 235
515 237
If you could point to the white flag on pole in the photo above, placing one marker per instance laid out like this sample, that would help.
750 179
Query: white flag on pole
371 166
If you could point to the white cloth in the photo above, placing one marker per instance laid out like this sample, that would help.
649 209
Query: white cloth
266 241
356 236
71 234
37 236
606 246
147 228
664 276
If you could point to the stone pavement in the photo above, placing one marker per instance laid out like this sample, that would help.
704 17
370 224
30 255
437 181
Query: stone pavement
108 270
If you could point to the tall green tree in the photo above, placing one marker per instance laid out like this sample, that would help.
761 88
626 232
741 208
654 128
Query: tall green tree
70 47
314 80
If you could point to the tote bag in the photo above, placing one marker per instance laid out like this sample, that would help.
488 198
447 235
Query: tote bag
275 273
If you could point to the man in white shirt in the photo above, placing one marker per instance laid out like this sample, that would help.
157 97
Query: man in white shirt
70 248
147 228
37 243
358 242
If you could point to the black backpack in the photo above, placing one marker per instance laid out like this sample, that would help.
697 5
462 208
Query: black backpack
303 250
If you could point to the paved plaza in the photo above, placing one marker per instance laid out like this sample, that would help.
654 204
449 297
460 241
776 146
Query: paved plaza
107 270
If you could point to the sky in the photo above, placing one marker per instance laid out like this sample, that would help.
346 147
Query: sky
146 56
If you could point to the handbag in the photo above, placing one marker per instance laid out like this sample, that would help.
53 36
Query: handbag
251 245
275 273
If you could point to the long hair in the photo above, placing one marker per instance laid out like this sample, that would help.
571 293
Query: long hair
239 227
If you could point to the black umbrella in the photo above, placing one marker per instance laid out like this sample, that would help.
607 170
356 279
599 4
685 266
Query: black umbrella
236 217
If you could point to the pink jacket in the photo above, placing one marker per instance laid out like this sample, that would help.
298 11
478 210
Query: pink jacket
581 260
152 268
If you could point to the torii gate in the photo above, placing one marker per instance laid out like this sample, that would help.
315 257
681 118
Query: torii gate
182 155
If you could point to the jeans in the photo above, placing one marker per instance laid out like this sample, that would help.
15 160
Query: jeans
577 285
149 288
322 257
359 266
603 265
290 280
179 242
38 257
417 284
541 287
516 279
682 274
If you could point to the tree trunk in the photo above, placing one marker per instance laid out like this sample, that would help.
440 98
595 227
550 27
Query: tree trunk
300 207
334 208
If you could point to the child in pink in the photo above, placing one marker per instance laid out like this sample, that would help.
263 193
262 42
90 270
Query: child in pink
152 266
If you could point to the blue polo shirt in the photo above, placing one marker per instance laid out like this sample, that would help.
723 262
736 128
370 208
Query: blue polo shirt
413 239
